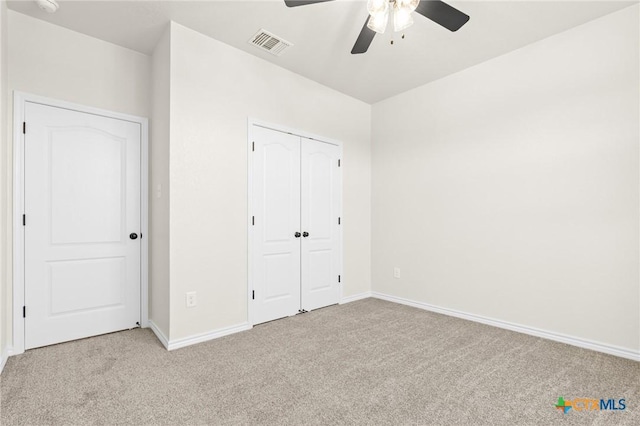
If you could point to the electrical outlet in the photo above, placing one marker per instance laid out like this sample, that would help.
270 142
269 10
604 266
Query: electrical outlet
396 272
191 299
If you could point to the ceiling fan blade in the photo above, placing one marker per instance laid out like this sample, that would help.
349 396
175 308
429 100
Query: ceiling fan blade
443 14
294 3
364 39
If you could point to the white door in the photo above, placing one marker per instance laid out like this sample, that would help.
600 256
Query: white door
275 224
82 202
320 210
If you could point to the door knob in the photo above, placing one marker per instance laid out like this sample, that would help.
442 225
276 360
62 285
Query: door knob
133 235
305 234
297 234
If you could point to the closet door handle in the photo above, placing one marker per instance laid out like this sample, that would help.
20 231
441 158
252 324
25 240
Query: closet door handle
305 234
297 235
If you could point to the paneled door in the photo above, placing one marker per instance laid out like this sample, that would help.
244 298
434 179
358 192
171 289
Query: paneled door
296 189
82 224
320 217
275 224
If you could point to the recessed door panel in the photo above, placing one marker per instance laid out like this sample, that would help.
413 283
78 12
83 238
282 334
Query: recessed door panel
86 284
321 269
82 200
320 196
278 276
86 210
279 162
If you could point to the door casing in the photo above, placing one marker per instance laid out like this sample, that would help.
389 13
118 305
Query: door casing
19 101
251 122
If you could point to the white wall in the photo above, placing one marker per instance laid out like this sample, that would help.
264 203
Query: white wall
52 61
159 185
4 189
214 88
510 190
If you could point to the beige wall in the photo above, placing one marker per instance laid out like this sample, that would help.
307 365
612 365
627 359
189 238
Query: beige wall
4 189
159 185
214 88
510 190
52 61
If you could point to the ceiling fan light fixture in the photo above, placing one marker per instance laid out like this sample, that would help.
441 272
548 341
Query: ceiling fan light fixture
436 10
407 4
402 18
377 6
378 21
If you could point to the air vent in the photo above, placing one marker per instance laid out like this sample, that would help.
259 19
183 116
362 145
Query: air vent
269 42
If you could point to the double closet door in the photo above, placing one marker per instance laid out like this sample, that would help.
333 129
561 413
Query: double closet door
295 224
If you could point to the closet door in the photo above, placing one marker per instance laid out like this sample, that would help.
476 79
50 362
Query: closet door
276 222
320 210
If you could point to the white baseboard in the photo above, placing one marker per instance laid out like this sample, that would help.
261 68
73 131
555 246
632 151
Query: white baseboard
3 360
4 357
558 337
159 334
199 338
355 297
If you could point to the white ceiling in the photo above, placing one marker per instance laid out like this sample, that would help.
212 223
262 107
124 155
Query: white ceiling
323 34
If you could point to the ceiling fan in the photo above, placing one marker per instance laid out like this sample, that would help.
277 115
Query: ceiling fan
379 11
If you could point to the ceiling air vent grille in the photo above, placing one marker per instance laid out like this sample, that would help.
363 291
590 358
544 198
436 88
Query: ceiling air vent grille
269 42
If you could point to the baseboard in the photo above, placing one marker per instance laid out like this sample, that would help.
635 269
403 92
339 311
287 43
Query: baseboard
558 337
4 356
3 360
204 337
355 297
159 334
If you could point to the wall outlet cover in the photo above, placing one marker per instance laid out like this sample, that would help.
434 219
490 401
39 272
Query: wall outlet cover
396 272
191 299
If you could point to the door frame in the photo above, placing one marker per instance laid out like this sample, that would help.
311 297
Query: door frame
19 102
278 128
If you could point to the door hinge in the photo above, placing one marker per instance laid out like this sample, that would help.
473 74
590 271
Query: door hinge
338 278
253 294
24 127
253 220
338 162
253 146
24 312
24 220
338 221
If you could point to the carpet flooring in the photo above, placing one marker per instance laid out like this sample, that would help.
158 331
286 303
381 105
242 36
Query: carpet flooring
366 362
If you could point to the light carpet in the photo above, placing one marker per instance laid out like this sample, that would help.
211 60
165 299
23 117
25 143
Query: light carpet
366 362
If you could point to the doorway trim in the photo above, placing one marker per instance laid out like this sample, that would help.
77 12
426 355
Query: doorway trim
19 101
254 122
